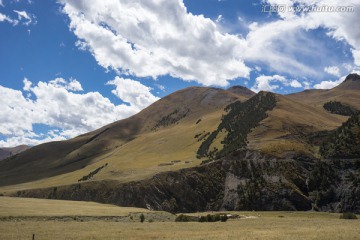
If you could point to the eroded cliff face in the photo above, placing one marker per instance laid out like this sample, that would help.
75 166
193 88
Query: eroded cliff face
246 180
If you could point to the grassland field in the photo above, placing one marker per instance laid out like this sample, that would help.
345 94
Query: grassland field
53 219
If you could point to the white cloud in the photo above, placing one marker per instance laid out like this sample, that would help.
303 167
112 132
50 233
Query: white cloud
295 84
2 17
133 92
271 83
73 85
159 37
1 3
23 15
161 87
356 55
307 84
341 26
329 84
56 105
265 83
333 70
219 19
155 38
27 84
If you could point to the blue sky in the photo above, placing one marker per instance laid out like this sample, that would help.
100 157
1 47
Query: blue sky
71 66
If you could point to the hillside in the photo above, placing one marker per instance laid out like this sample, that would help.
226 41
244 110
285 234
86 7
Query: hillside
347 92
134 148
205 149
8 152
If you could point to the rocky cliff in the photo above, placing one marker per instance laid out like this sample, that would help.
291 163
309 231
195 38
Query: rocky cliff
245 180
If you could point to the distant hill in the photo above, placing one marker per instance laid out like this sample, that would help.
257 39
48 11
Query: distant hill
8 152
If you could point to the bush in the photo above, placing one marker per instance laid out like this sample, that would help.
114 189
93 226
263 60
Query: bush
142 218
202 219
224 218
348 215
182 218
185 218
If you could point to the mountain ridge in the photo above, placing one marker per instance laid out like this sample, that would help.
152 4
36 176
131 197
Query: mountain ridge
165 137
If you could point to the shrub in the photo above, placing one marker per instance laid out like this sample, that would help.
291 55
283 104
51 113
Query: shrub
202 219
348 215
181 218
224 218
142 218
185 218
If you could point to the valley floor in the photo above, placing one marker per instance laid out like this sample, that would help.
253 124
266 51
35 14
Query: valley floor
257 228
45 224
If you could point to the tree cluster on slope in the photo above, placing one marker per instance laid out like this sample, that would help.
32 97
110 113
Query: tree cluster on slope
339 108
345 141
238 122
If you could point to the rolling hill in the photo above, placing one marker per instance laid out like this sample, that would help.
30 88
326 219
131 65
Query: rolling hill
8 152
166 142
134 148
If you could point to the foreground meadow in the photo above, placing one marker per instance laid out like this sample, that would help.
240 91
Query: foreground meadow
160 225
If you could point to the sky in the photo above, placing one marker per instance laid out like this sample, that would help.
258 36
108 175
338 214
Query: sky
68 67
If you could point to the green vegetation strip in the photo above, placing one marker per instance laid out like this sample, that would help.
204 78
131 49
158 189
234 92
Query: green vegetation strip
345 141
339 108
238 122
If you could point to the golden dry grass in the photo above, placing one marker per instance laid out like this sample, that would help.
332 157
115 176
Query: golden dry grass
265 227
252 225
284 129
44 207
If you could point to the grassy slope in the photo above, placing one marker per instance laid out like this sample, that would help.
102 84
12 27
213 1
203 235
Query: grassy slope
317 98
139 157
287 125
41 207
134 151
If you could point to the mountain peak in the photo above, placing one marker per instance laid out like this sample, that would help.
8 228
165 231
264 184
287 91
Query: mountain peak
352 77
240 90
351 82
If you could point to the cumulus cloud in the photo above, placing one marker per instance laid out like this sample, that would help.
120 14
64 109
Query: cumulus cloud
356 55
160 37
59 105
295 84
339 25
333 70
155 38
329 84
271 83
72 85
266 83
133 92
27 84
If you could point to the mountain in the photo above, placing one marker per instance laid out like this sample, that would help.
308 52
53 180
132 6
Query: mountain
351 82
243 92
230 149
8 152
137 147
347 92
